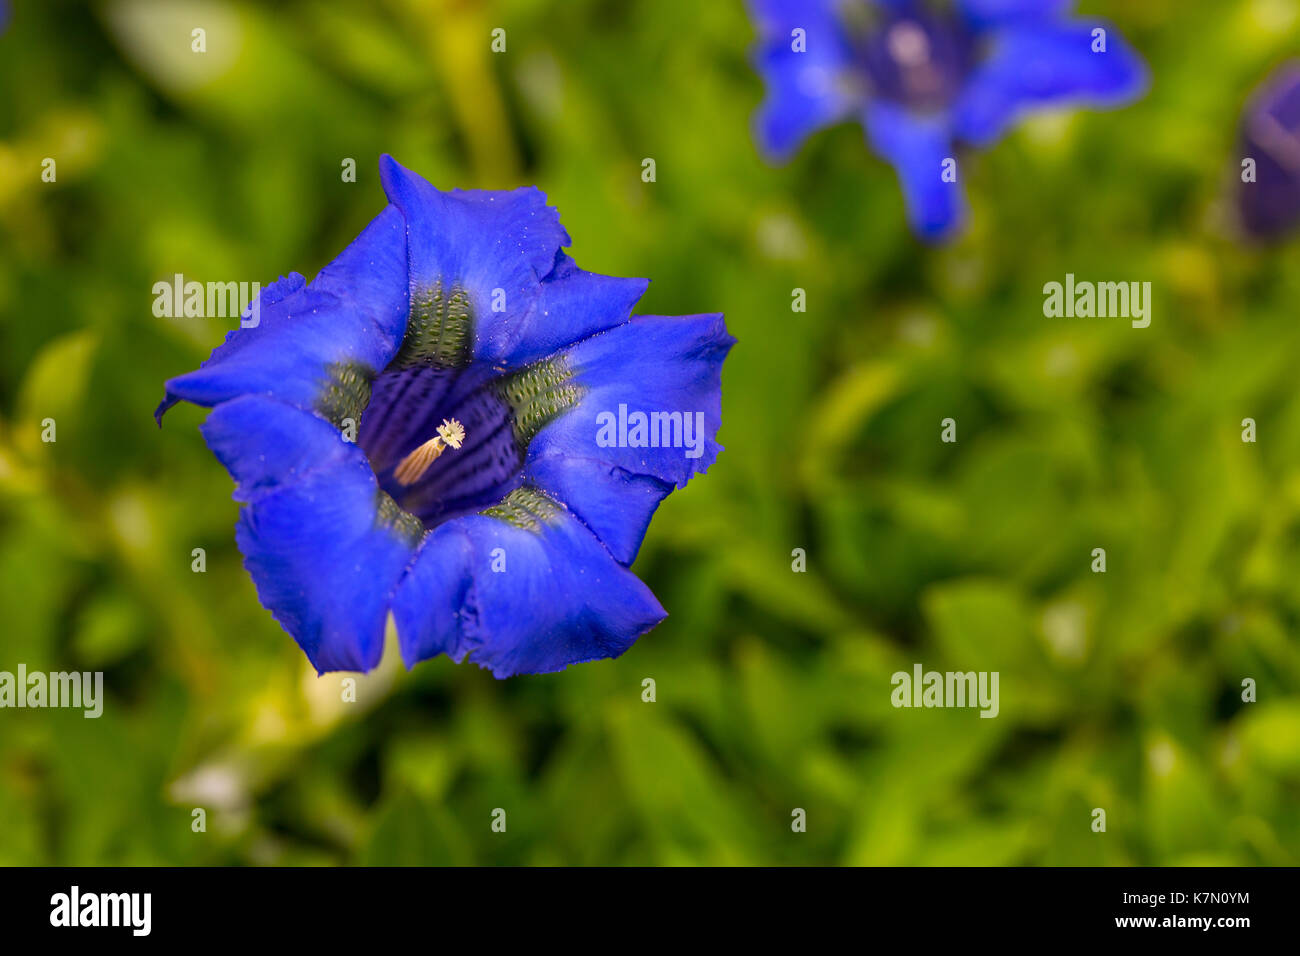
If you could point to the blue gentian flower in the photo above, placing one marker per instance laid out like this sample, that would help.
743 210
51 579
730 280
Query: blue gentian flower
923 78
1270 135
482 502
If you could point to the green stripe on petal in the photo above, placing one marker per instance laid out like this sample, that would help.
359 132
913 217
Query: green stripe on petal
537 395
346 392
525 508
389 514
440 331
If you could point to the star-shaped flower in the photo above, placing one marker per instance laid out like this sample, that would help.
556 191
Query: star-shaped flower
923 78
474 361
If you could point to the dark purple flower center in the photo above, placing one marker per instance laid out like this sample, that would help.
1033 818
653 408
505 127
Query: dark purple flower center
1270 205
915 57
406 407
434 378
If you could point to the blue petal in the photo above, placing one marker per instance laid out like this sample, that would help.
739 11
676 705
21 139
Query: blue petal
560 598
236 340
352 315
503 250
1045 65
992 13
784 14
805 91
571 305
323 547
917 147
651 365
616 504
654 363
371 274
266 444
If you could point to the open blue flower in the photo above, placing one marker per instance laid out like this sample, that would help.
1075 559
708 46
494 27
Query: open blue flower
925 77
482 502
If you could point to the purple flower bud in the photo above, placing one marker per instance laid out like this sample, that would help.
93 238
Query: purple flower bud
1269 196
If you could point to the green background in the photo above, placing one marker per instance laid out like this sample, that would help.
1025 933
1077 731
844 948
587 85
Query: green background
1119 691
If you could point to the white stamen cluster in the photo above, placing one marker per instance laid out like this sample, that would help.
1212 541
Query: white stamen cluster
412 468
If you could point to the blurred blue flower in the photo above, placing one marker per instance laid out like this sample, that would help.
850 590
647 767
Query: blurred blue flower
925 77
482 503
1269 203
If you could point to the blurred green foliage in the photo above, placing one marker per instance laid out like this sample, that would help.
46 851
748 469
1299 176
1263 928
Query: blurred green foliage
1119 690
